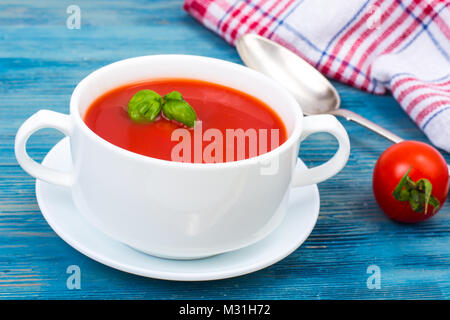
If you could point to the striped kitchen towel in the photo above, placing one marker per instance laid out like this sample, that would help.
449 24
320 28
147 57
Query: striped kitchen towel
373 45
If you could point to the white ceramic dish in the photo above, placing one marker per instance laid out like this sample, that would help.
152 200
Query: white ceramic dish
61 214
174 209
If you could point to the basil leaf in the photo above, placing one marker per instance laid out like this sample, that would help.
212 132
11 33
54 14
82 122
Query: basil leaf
176 108
174 95
144 106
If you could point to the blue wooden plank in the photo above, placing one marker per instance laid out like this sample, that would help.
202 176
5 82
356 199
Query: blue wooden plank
41 61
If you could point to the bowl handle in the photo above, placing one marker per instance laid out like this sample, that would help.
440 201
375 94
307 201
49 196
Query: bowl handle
42 119
323 123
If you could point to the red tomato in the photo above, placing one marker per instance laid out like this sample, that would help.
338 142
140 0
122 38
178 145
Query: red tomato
424 162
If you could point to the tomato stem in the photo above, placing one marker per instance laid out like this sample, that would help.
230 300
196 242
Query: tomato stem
418 194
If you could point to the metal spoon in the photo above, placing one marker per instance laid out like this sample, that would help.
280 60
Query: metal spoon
312 90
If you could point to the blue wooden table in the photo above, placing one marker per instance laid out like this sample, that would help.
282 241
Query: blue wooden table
41 61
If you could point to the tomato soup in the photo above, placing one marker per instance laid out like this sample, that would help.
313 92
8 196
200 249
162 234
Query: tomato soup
224 116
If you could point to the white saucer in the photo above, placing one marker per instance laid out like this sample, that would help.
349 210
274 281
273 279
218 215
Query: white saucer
56 205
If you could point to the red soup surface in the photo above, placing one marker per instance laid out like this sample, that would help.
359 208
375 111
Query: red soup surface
217 107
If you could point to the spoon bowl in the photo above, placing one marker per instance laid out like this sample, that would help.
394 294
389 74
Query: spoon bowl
310 88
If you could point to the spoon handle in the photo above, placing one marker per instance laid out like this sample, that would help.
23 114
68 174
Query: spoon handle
351 116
